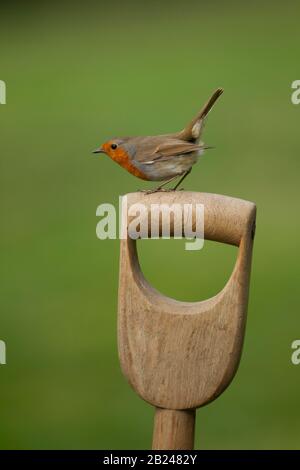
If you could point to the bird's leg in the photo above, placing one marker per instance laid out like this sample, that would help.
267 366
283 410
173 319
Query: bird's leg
181 179
160 187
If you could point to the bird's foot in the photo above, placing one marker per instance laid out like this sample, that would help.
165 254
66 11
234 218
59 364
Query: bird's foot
157 190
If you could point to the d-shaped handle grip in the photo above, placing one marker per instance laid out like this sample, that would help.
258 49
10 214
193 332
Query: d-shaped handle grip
181 355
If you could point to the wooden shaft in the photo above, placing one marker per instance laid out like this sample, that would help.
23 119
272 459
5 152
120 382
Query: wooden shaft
173 429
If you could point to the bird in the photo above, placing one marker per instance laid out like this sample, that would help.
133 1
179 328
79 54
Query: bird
162 158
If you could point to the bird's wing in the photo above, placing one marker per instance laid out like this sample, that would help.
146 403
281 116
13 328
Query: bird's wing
172 148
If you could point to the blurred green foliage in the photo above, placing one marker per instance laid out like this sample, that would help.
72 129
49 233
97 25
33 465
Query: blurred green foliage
76 75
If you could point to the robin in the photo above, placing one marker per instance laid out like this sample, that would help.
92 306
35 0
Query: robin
162 157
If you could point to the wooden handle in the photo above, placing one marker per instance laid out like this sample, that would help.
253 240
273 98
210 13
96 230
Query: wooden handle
173 429
182 355
225 218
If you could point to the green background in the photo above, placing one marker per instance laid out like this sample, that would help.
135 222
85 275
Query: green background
76 75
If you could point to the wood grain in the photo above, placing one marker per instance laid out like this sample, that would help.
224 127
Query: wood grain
182 355
173 429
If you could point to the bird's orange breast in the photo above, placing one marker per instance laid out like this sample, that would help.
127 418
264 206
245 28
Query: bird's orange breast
122 158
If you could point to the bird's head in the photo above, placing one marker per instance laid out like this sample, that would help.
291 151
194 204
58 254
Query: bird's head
114 148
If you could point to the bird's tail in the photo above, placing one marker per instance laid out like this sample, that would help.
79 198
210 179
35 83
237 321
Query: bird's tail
192 132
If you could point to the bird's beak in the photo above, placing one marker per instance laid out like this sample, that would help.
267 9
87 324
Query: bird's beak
99 150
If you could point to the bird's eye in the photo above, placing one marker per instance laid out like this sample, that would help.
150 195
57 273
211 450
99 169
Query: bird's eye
114 146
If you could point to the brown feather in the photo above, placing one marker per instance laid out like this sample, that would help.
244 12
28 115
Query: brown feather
192 132
173 147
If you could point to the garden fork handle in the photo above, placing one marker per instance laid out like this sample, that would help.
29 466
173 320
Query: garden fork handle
179 356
